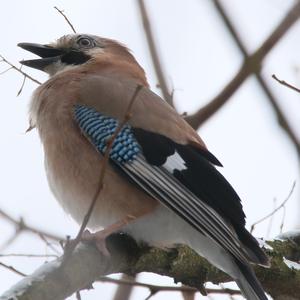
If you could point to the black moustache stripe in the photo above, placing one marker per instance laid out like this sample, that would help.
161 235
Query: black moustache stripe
75 58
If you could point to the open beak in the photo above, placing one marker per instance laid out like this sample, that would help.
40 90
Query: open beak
48 54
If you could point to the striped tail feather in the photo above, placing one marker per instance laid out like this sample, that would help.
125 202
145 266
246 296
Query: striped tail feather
249 284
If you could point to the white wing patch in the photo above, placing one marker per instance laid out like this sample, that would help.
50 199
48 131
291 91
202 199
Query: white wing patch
174 162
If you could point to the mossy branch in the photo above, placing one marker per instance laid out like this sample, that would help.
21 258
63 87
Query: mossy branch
86 265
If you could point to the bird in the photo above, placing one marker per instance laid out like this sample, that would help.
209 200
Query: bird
161 184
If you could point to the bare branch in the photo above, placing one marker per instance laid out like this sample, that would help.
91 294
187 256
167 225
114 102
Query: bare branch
282 220
21 225
22 86
191 295
50 245
160 288
276 209
71 246
28 255
270 223
282 120
167 95
78 296
124 290
66 18
251 65
3 72
286 84
3 59
87 264
11 239
151 294
12 269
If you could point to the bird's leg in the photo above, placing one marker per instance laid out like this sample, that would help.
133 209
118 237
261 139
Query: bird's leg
99 237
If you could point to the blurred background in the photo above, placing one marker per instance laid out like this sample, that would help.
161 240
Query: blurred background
198 57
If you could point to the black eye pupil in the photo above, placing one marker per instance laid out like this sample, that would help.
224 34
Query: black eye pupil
84 42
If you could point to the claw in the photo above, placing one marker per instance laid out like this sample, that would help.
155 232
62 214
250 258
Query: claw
99 237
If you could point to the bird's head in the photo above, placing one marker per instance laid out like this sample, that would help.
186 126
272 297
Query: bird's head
76 50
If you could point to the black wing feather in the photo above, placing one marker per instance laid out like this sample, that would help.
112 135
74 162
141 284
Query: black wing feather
156 148
204 180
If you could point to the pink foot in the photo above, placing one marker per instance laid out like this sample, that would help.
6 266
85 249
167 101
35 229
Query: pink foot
99 238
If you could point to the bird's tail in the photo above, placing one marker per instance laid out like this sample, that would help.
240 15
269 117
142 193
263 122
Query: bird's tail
248 283
241 272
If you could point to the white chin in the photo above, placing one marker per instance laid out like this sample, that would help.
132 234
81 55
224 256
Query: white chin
58 67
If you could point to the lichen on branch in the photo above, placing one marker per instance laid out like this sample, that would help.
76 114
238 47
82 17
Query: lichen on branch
86 265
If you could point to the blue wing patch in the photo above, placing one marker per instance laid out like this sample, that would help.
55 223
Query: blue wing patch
99 128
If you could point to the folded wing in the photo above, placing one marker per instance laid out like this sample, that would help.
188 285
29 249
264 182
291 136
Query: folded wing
180 176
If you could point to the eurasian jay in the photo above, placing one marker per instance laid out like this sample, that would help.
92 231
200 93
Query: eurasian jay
161 185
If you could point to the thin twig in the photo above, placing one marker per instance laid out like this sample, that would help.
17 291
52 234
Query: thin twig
151 294
154 53
271 219
286 83
23 226
48 244
72 245
11 239
28 255
188 295
3 72
22 86
276 209
3 59
12 269
124 291
251 65
230 296
282 220
160 288
66 18
78 296
282 120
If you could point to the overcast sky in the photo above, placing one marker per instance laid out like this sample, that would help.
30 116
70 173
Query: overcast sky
199 58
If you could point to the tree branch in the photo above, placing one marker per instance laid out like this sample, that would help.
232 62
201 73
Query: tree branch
11 268
161 288
22 226
286 83
251 65
167 95
276 209
66 18
125 286
12 66
282 120
87 265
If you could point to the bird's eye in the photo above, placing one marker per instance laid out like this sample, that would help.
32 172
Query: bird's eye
85 42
